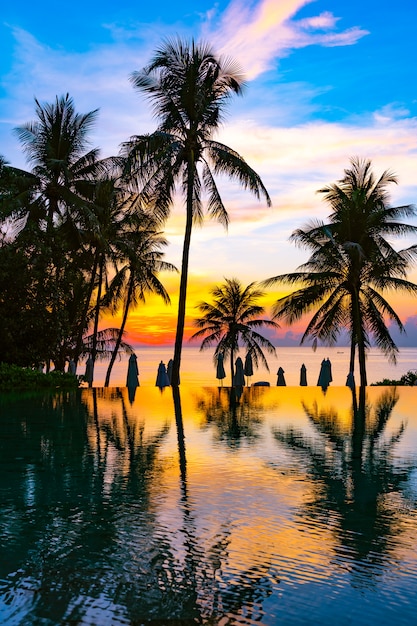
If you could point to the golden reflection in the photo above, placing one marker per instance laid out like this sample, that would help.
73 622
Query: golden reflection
356 478
211 499
235 413
124 441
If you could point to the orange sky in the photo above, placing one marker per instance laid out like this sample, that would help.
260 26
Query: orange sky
154 323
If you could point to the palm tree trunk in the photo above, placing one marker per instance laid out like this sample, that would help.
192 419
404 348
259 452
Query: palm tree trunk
232 371
120 335
352 355
362 361
175 377
85 311
360 337
96 318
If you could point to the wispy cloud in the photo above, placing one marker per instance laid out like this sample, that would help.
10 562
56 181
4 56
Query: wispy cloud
294 158
259 34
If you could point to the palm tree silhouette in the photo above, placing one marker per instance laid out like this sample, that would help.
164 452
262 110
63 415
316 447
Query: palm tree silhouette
138 275
232 319
352 265
188 87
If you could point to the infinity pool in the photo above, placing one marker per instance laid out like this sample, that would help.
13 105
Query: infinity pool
276 507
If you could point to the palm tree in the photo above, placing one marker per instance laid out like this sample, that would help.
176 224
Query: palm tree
232 319
56 145
114 217
351 267
138 276
51 206
189 87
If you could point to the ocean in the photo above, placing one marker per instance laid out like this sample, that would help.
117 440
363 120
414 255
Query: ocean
198 368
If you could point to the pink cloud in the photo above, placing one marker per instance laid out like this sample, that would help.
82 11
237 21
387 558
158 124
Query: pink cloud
258 35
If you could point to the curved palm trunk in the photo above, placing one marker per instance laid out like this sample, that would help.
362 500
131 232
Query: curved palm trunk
175 377
120 335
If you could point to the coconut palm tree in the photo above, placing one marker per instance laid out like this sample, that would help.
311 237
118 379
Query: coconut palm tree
139 274
56 145
115 212
188 86
233 319
51 206
351 267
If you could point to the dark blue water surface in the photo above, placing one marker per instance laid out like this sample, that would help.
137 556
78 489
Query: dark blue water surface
276 506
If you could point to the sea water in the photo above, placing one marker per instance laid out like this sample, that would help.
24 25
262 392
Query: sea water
198 367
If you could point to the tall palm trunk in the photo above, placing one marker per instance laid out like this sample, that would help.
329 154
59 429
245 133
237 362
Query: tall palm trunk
84 313
232 369
121 330
96 318
175 377
362 361
358 331
352 354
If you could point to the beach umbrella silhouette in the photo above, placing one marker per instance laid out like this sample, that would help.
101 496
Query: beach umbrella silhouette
220 373
132 380
325 375
72 368
329 368
248 368
239 377
162 379
89 367
303 376
131 392
350 380
169 369
281 379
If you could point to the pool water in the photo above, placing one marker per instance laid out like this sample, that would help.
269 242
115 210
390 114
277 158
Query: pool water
276 506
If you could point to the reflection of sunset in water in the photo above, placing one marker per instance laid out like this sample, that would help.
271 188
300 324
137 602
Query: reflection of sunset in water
236 469
221 505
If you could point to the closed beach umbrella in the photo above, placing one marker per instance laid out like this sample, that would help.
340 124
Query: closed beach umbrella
350 380
281 379
248 369
220 373
131 392
132 379
329 370
162 379
239 377
169 369
72 369
303 376
88 376
325 375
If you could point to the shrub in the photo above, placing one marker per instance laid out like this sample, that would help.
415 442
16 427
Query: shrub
13 377
407 380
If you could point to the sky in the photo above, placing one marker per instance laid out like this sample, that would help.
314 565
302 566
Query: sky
325 82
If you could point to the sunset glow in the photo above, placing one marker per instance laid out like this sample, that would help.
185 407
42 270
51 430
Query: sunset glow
322 87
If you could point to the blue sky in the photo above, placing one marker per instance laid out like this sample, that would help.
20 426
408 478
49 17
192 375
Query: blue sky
326 81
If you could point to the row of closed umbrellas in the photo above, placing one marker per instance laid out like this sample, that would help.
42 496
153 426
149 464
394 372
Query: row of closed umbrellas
246 369
163 377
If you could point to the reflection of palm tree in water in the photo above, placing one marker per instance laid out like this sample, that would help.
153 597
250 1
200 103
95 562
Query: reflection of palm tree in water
212 594
235 417
355 478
